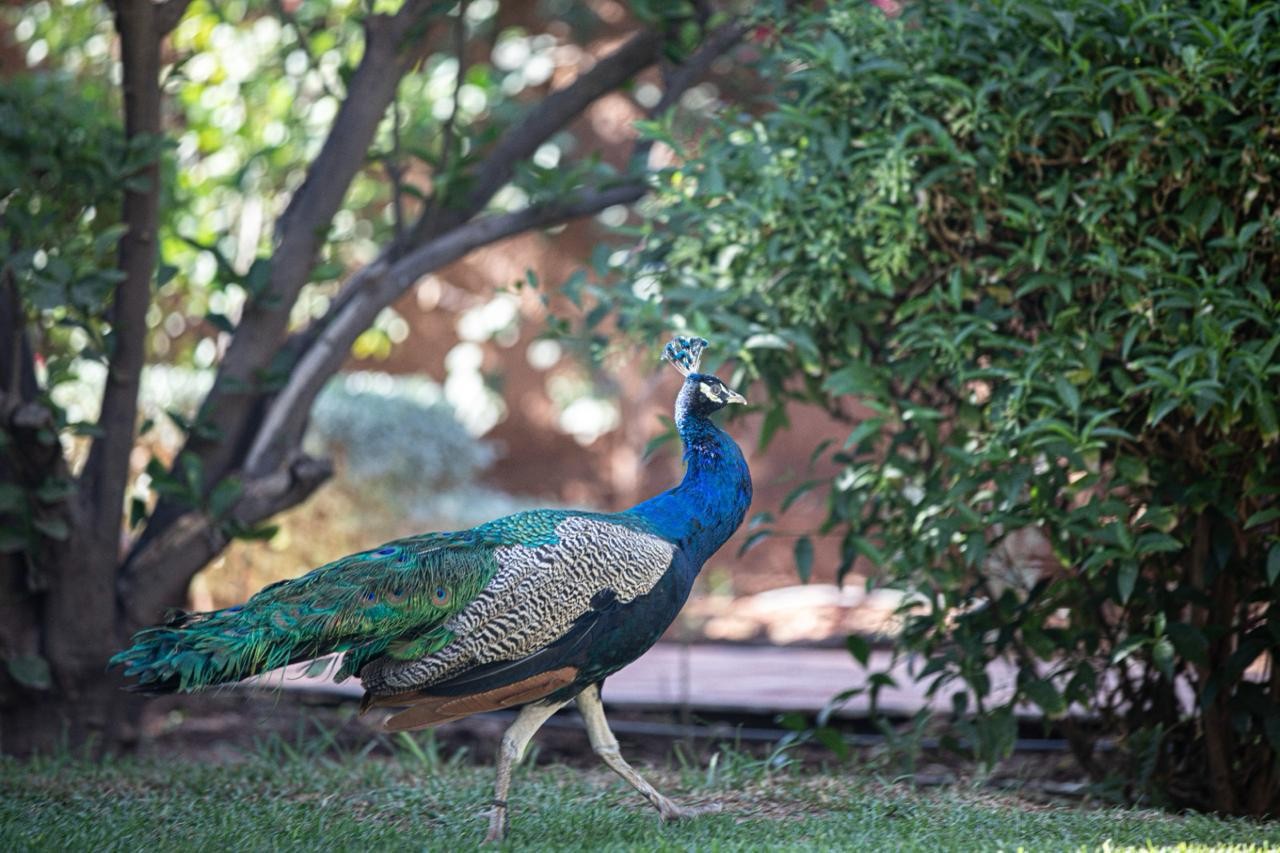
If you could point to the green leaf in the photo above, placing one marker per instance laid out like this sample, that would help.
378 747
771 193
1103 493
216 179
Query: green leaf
193 471
1268 423
52 527
137 511
1162 655
1043 693
1157 543
804 558
55 489
797 493
1068 394
1273 563
1189 642
1067 21
1126 579
1160 410
863 431
1262 517
833 740
255 281
264 532
774 420
855 378
754 539
220 322
1106 122
859 648
224 496
30 671
1128 647
667 436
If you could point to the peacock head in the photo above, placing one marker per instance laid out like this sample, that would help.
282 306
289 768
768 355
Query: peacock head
702 393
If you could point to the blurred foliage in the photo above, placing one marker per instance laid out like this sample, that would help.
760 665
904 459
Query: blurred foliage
62 161
402 460
1037 244
252 88
397 432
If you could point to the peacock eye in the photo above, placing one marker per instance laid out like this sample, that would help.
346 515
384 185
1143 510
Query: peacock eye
396 596
440 596
370 597
385 552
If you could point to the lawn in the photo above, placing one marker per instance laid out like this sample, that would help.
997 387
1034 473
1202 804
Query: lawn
279 799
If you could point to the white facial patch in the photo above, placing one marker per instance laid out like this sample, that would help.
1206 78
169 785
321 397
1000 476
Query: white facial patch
708 393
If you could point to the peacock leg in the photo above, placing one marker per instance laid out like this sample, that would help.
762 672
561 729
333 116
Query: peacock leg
605 745
514 741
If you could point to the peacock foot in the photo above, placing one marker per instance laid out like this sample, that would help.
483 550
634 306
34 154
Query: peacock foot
497 824
670 811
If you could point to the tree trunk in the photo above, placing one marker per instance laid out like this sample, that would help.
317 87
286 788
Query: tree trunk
69 624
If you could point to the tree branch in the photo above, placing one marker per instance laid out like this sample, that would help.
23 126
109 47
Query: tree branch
380 284
720 41
168 14
545 120
159 574
448 133
325 346
683 77
17 361
390 51
435 241
519 142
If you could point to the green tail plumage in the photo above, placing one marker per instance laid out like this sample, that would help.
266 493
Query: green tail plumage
390 601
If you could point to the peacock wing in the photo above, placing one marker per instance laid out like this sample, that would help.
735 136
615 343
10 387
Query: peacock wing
534 612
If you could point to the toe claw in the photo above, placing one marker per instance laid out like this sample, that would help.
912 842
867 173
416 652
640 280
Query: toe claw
673 812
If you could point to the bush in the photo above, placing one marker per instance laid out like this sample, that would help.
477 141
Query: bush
1039 241
420 448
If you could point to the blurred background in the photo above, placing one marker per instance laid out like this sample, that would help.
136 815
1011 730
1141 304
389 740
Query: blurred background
456 406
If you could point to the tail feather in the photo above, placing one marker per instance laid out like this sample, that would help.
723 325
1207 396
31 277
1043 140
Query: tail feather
194 650
362 603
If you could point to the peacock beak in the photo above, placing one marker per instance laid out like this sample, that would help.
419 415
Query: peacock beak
735 397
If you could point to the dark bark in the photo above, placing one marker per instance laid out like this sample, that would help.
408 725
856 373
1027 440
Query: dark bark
1216 716
67 597
79 606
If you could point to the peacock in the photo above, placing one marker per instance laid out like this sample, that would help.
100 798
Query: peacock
535 609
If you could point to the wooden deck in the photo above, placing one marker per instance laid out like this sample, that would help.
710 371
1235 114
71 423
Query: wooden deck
732 678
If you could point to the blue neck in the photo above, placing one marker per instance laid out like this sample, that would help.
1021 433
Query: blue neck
706 508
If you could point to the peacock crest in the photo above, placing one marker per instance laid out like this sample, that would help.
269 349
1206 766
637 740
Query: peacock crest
685 354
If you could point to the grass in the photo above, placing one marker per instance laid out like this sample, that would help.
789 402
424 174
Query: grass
280 798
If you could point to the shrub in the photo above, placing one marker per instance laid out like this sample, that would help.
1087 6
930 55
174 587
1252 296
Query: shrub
419 446
1039 242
